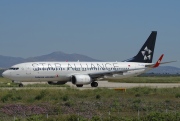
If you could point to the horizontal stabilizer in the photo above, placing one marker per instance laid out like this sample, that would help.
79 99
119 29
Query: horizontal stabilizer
168 62
159 62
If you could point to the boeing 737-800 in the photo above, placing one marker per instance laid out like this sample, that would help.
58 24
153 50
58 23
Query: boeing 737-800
82 73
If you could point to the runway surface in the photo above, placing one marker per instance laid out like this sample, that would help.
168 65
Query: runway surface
101 84
106 84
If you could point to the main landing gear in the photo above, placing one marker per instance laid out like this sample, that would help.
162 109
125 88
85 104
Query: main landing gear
94 84
79 85
21 85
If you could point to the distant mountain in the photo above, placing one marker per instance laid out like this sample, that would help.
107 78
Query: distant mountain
7 61
61 56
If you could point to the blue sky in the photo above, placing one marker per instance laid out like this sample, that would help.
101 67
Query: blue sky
106 30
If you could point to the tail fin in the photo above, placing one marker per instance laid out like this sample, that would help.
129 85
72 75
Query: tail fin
145 55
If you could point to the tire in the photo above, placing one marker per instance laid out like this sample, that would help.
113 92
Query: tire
20 85
79 85
94 84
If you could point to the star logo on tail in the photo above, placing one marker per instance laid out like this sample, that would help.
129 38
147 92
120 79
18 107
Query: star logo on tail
146 53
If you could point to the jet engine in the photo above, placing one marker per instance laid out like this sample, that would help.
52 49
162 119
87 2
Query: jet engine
81 79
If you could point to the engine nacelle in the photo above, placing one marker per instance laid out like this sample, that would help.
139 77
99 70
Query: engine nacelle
81 79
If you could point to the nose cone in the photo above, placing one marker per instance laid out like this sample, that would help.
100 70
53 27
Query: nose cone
6 74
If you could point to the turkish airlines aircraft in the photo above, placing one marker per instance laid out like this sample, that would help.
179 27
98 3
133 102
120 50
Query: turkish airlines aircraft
81 73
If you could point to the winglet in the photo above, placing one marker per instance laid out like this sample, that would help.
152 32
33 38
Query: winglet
158 62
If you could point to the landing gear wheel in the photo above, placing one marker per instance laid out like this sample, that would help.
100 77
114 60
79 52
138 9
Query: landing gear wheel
79 85
94 84
20 85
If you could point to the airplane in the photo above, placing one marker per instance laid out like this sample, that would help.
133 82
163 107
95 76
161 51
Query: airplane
83 73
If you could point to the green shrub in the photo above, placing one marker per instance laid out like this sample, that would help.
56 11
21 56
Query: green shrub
65 98
96 118
137 101
75 118
177 95
156 116
42 94
6 97
98 96
30 100
137 95
15 98
69 103
35 118
69 117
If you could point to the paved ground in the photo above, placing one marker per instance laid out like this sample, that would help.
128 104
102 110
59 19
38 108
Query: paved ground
103 84
107 84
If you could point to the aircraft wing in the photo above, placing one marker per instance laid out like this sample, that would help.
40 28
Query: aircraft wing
110 73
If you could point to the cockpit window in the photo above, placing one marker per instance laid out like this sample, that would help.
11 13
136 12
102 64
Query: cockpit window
13 68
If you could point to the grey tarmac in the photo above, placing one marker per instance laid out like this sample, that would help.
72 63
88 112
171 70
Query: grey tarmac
111 85
102 84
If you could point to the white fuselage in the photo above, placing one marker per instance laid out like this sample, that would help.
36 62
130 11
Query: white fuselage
62 71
